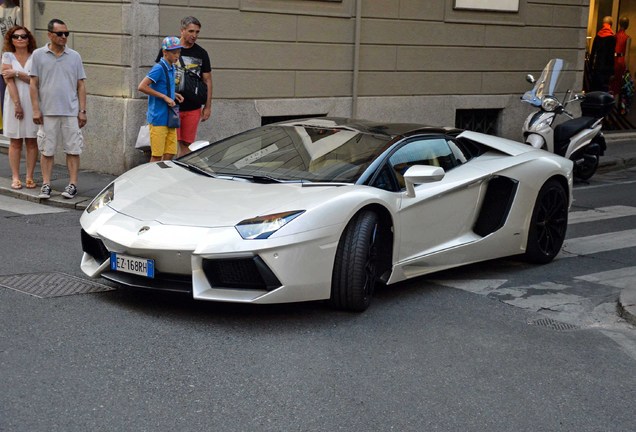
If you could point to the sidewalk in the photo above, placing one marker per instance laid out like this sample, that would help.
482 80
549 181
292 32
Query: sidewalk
90 183
621 153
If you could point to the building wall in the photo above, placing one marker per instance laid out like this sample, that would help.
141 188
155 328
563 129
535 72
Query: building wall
418 60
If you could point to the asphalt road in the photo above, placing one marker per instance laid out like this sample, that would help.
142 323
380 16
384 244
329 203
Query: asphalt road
431 354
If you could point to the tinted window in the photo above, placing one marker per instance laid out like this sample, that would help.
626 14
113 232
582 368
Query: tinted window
385 180
294 152
428 151
470 149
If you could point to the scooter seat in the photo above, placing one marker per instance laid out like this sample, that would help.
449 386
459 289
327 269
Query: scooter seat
566 130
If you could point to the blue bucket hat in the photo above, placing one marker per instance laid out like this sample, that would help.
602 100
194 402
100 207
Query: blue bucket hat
171 43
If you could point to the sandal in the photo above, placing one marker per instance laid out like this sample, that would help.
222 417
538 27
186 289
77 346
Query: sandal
30 184
16 184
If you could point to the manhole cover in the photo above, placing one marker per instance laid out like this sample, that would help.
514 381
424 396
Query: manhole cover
45 285
553 324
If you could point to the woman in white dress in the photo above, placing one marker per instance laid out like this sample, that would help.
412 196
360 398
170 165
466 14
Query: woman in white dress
17 117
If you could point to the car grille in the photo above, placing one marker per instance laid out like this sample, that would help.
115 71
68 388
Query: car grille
241 273
94 247
161 281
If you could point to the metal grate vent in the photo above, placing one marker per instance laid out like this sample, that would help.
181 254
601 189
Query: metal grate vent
478 120
43 285
553 324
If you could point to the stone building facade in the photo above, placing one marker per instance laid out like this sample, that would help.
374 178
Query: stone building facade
424 61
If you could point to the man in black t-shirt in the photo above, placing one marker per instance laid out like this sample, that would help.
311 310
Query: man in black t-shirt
195 59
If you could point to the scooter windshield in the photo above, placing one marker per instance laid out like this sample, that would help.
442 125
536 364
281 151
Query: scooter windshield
546 85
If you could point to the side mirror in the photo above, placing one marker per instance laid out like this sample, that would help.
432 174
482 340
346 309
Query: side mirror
530 79
420 174
198 144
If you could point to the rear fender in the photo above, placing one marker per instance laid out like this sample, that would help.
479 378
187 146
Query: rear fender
582 140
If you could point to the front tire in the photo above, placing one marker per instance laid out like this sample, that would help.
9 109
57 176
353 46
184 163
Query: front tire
356 265
548 224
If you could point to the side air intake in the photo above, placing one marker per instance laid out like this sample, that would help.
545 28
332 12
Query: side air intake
496 205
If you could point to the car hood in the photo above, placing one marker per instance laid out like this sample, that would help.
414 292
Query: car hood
173 195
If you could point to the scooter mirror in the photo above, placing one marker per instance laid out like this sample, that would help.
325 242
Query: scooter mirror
530 79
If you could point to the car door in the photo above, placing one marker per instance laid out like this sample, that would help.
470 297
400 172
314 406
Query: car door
442 213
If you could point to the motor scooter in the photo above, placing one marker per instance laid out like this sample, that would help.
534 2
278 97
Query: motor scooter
579 139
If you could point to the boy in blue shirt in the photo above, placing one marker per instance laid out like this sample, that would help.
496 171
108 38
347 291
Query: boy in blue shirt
159 86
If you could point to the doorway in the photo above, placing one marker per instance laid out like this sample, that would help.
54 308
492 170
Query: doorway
624 116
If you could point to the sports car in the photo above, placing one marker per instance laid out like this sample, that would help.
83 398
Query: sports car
325 209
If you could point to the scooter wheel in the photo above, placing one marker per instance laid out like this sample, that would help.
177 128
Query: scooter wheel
587 168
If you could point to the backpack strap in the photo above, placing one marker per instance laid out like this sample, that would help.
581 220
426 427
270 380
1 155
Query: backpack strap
165 69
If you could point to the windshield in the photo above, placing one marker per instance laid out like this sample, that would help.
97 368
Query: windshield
291 152
555 80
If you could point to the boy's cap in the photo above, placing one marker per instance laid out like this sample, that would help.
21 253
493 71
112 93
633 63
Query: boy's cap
171 43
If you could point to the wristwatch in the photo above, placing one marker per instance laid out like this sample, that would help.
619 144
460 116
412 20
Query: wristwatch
82 111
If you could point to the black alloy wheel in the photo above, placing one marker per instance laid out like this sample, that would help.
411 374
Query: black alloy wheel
356 265
548 224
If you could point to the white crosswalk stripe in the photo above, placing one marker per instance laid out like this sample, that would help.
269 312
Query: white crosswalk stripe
620 278
582 300
15 205
600 213
600 243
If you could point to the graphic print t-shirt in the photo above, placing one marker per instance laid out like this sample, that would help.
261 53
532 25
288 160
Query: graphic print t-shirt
195 59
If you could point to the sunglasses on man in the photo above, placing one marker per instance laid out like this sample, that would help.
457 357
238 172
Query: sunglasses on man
60 34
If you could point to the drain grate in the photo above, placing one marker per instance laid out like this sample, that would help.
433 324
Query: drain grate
43 285
553 324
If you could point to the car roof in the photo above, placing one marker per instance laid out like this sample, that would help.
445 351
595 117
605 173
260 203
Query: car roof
387 129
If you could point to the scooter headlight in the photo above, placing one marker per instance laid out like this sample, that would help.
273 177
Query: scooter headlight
549 104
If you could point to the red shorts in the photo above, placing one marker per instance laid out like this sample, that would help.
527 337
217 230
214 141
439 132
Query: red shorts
189 125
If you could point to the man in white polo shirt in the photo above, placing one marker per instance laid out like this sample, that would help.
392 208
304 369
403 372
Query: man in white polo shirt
58 94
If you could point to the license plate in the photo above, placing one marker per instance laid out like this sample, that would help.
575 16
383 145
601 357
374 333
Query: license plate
134 265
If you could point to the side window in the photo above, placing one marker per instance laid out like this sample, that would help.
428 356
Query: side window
458 153
384 180
468 148
427 151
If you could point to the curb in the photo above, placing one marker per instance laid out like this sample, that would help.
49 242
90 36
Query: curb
627 305
56 200
608 163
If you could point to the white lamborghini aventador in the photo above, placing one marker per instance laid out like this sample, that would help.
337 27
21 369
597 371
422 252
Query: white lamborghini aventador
325 208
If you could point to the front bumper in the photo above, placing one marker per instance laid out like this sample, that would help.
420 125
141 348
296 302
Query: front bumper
213 263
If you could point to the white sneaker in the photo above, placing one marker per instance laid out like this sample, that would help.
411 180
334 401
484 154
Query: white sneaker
45 191
70 191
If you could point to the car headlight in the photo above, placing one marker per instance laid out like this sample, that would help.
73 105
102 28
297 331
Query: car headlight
550 104
101 200
262 227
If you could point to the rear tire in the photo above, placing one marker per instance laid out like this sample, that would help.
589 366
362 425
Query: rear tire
356 265
548 224
591 158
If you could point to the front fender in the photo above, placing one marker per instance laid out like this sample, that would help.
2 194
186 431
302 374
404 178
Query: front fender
535 140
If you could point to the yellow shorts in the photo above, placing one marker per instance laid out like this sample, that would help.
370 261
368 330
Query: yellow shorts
163 140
